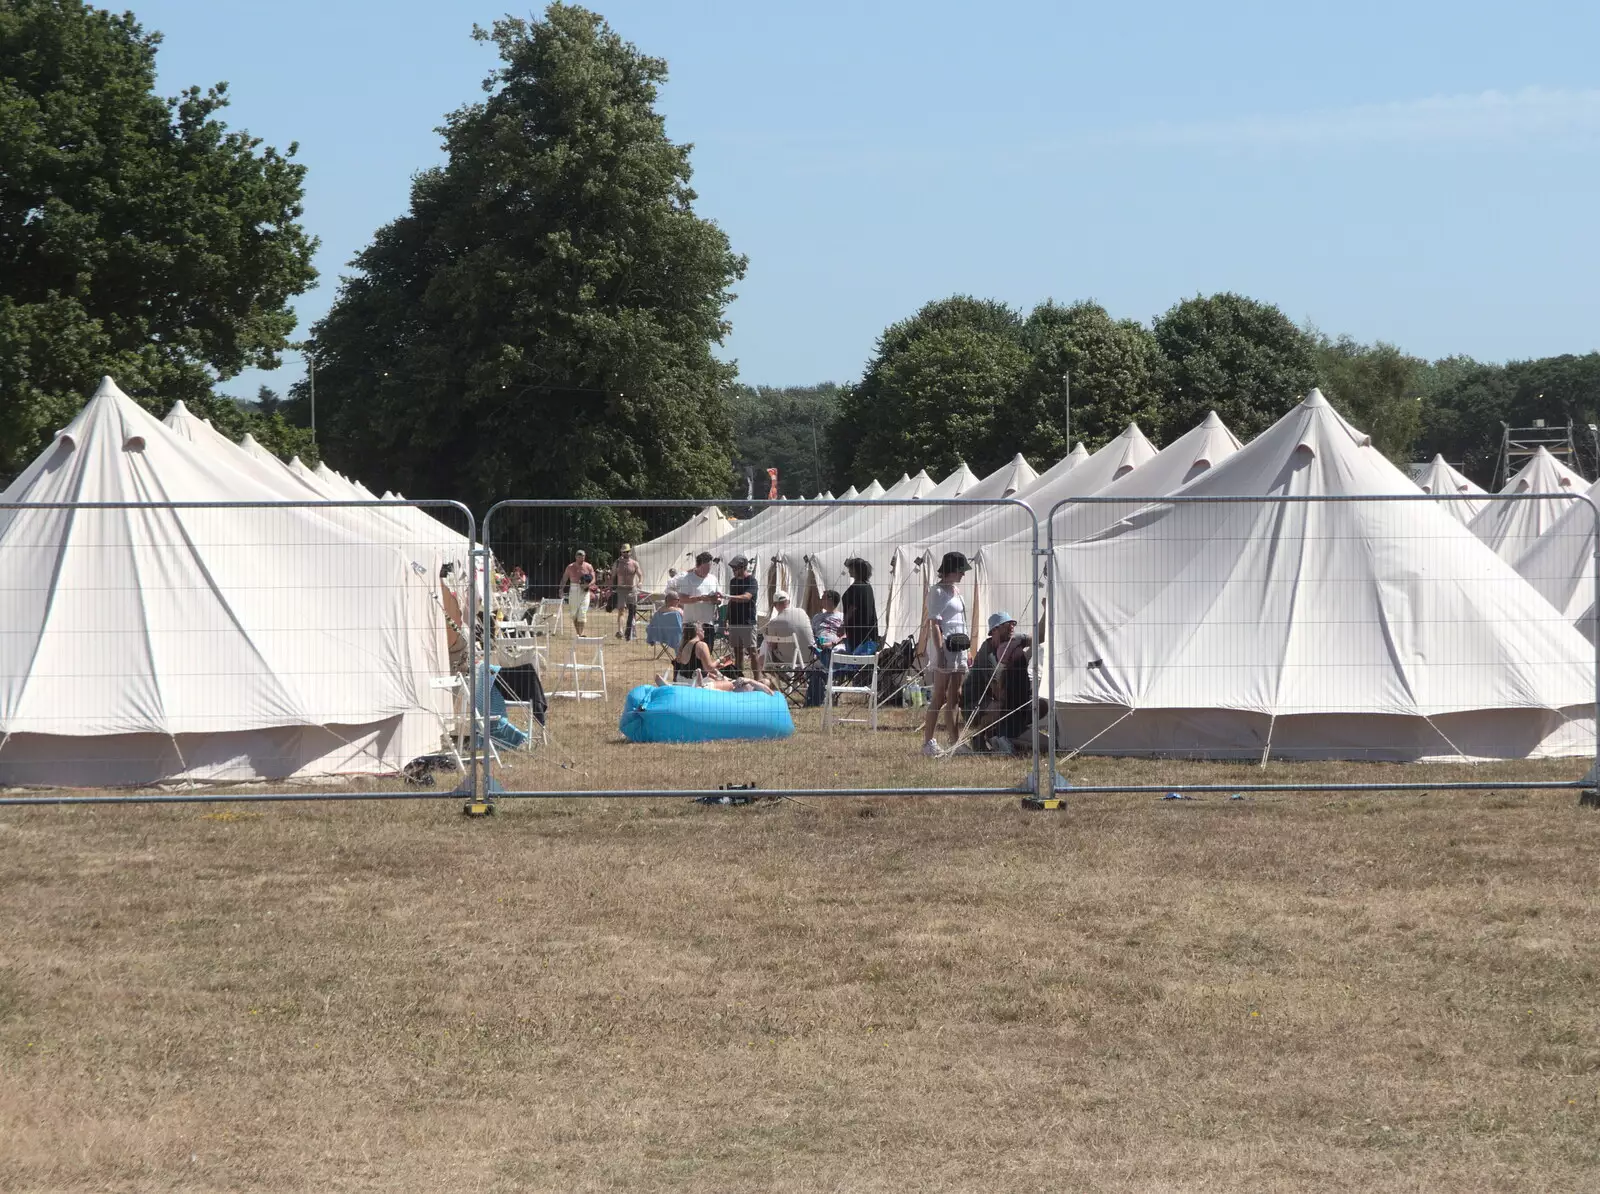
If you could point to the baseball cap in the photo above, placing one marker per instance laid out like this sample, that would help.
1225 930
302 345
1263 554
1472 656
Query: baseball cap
739 562
1000 618
780 597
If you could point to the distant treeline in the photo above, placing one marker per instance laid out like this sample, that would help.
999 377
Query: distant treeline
976 380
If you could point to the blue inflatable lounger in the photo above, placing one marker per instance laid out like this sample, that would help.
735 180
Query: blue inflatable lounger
680 714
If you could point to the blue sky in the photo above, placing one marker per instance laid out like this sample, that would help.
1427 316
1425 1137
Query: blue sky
1424 173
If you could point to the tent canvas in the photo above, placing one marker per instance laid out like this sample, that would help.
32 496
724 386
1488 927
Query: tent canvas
152 644
1510 528
1368 630
1438 477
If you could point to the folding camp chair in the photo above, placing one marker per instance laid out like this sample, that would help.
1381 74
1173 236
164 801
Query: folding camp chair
594 647
785 668
851 675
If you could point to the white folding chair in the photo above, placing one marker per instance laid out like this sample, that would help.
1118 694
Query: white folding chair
594 646
550 610
851 675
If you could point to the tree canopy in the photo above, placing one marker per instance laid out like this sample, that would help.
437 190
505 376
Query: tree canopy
1241 358
786 428
138 236
541 321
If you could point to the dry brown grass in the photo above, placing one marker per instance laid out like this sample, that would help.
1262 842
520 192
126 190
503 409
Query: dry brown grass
1295 992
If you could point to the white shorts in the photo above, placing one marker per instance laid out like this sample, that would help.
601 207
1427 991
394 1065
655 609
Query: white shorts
947 662
578 600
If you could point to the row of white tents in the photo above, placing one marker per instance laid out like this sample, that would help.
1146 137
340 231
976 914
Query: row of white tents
172 610
271 640
1239 625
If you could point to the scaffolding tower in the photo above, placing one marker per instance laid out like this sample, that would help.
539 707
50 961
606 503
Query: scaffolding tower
1519 444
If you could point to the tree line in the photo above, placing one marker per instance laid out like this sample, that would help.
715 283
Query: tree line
975 380
542 318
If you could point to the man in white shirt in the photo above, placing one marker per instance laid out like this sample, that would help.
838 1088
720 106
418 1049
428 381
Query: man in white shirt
701 593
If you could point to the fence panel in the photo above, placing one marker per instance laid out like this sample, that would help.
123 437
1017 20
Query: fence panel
853 570
189 651
1327 630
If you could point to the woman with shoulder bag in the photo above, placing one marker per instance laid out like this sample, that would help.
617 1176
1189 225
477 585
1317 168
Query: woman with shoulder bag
949 640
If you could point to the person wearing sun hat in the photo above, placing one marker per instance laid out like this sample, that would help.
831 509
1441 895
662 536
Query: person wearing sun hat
949 640
626 577
999 686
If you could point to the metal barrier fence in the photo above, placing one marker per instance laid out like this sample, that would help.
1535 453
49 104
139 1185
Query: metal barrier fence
852 570
232 651
1323 628
247 651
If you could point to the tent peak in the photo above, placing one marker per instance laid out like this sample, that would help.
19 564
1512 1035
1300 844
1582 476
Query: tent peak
1315 399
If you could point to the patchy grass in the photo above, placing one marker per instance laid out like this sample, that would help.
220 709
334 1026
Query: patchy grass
1388 992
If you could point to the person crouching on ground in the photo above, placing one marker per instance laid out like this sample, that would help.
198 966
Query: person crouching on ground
950 640
579 581
741 603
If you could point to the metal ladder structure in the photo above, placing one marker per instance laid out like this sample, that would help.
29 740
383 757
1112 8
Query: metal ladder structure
1519 444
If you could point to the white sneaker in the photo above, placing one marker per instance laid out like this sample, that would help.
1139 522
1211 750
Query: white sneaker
961 748
931 749
1001 746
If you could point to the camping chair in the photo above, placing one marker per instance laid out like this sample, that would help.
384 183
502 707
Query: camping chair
549 614
785 667
594 646
851 675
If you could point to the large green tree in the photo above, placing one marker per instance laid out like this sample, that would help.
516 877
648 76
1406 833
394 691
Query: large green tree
138 236
1378 388
1242 358
1114 370
786 428
1469 403
931 395
540 323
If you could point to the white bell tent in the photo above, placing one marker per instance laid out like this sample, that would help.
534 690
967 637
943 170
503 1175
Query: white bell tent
1440 478
1511 527
679 546
1350 629
153 644
1560 564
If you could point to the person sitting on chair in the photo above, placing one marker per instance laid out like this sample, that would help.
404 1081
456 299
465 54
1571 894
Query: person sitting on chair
665 628
693 656
999 685
827 626
787 621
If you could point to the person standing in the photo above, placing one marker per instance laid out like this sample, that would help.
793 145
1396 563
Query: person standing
701 593
578 580
626 577
859 608
949 642
741 602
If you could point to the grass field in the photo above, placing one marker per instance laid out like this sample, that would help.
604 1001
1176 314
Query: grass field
1293 992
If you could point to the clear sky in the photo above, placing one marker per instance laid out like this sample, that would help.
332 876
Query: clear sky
1425 173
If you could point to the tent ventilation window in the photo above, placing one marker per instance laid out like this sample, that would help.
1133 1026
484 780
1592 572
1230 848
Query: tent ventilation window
134 443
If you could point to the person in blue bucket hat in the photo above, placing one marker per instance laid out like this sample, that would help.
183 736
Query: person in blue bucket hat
999 689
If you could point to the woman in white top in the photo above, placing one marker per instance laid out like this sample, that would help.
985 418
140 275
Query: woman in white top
949 640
